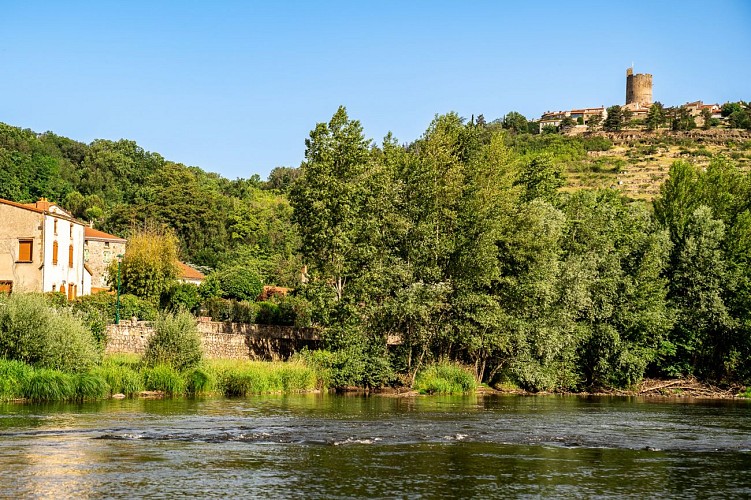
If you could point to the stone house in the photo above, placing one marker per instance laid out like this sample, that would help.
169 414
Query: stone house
42 249
100 249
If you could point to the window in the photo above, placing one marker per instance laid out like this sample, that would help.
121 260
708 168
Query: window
6 286
71 230
62 289
72 291
106 244
54 253
25 248
54 226
70 256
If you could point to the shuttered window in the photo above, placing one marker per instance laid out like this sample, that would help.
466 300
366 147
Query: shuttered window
54 252
25 248
70 256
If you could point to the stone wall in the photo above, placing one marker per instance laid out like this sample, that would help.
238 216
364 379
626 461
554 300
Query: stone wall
221 340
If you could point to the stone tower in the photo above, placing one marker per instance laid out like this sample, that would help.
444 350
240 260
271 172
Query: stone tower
638 88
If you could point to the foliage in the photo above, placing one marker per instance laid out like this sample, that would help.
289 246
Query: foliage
232 311
34 332
181 297
164 378
614 120
148 267
175 342
444 379
239 283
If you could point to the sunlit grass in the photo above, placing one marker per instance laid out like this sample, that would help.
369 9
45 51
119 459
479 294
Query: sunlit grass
444 378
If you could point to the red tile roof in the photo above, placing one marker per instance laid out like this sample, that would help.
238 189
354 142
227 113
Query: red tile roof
94 234
188 273
34 207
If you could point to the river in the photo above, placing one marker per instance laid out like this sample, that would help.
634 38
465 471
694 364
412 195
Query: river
327 446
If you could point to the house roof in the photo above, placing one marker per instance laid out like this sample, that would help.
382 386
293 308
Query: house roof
188 273
94 234
41 207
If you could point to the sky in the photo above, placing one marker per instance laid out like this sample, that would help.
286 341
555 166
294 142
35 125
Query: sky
236 87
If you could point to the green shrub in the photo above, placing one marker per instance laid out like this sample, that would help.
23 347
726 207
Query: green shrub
181 297
445 379
268 313
34 332
229 310
239 283
132 306
175 342
164 378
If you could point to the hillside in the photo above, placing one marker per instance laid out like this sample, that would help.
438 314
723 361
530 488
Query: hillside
638 162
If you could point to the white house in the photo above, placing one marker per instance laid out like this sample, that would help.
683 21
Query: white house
41 249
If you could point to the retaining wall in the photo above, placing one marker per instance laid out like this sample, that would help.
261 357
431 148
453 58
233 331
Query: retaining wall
221 340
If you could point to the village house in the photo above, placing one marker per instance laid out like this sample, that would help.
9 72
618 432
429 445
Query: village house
581 117
187 274
100 249
42 249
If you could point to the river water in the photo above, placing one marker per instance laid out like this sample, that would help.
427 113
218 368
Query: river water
326 446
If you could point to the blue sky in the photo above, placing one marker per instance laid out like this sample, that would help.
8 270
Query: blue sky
235 87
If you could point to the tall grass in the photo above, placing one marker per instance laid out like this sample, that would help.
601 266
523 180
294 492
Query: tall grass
164 378
121 378
242 378
13 377
444 378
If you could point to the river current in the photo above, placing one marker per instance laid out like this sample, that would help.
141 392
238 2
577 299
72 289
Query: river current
327 446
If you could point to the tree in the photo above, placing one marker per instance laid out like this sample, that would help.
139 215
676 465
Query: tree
567 124
683 120
149 266
516 122
329 198
614 120
706 116
594 122
655 116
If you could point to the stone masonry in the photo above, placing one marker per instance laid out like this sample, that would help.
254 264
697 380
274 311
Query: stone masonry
221 340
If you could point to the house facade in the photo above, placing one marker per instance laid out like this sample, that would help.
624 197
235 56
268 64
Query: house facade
41 249
100 249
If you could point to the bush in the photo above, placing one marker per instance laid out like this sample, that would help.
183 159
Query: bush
239 283
34 332
267 313
132 306
175 342
229 310
444 379
181 297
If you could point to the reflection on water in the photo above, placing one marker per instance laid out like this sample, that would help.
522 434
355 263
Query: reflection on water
335 446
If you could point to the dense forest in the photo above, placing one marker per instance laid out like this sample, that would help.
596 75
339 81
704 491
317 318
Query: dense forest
461 244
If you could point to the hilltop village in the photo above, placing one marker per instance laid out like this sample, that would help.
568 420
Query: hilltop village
634 114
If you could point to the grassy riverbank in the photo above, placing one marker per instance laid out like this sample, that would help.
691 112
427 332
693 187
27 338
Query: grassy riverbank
129 376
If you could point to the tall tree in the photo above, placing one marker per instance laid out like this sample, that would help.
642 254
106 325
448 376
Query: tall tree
329 198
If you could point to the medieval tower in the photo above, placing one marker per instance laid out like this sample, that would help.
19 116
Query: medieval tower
638 88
